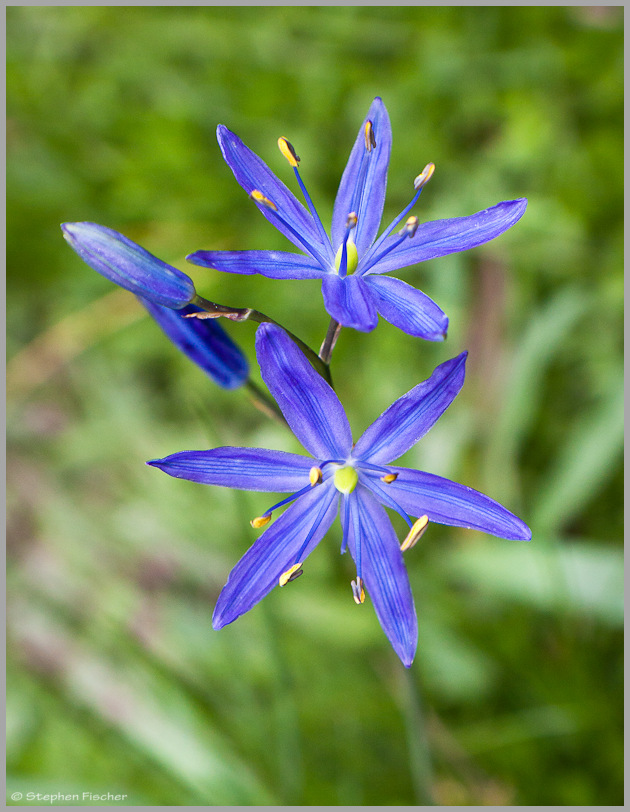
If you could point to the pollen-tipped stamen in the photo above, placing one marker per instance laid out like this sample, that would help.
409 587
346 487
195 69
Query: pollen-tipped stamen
358 593
291 574
261 521
420 181
258 197
287 149
424 177
415 534
389 478
370 139
406 232
318 520
359 186
315 476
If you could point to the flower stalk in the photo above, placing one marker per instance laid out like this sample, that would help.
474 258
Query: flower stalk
212 310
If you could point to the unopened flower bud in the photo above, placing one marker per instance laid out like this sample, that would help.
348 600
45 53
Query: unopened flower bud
204 341
127 264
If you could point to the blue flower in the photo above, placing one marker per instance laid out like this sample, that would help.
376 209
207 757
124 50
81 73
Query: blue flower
127 264
357 479
352 262
205 342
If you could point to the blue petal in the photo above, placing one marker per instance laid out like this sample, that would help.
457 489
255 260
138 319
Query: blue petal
273 264
310 406
127 264
275 551
350 302
442 237
407 308
383 570
204 341
253 173
364 192
411 416
447 502
249 469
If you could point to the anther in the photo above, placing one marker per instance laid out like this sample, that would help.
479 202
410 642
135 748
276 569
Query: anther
315 476
351 220
291 574
410 227
286 148
358 593
259 197
415 534
424 177
388 478
260 521
370 140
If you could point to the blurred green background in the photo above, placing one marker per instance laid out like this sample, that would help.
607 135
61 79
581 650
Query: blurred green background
116 681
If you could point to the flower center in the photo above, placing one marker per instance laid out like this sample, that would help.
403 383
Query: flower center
352 257
346 479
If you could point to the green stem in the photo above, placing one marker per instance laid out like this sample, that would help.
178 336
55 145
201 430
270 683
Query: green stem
263 402
418 742
328 345
249 314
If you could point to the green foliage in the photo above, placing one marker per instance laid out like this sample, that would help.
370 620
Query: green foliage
116 681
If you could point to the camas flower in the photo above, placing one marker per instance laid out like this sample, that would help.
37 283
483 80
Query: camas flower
358 479
352 263
129 265
205 342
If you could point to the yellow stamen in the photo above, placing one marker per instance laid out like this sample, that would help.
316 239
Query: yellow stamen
370 140
259 197
358 593
315 475
389 478
286 148
415 534
411 226
424 177
260 521
290 575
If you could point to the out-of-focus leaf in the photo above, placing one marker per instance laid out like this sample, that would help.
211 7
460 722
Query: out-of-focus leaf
540 344
579 578
169 734
587 459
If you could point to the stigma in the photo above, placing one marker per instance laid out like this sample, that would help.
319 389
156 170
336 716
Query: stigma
415 534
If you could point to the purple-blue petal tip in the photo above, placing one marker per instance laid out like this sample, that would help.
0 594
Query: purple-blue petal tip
126 263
